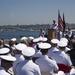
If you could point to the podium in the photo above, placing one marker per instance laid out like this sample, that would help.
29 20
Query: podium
51 34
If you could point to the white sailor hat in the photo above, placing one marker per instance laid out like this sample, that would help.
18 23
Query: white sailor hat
44 45
4 50
24 38
44 39
8 57
20 46
36 40
64 39
62 44
54 41
40 38
31 38
13 39
28 51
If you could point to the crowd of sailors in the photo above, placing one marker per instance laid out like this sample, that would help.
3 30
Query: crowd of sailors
38 56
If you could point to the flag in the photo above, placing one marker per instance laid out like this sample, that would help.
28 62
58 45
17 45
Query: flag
60 22
64 24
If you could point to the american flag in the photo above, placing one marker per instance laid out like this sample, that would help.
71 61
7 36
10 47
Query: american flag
60 22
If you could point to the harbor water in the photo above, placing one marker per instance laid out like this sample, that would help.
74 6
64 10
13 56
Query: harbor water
18 34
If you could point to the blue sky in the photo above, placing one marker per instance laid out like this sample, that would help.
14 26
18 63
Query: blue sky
35 11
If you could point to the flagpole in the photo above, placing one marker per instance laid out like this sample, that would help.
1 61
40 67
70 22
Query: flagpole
64 24
58 25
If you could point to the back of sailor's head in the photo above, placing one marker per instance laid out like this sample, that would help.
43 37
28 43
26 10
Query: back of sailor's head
28 52
62 45
54 42
8 58
30 39
64 40
36 40
42 39
13 39
20 46
44 47
4 51
5 59
23 38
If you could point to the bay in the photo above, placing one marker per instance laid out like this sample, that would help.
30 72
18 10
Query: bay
18 34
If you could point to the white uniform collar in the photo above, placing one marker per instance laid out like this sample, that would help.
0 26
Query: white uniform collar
44 56
55 49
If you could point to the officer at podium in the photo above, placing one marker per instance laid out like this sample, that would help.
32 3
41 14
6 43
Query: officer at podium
54 26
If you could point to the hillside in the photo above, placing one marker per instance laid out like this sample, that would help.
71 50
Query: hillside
30 27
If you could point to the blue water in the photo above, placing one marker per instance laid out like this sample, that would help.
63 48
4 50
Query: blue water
17 34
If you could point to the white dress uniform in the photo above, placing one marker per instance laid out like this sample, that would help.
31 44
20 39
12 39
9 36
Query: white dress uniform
19 58
52 51
27 67
62 57
55 26
7 58
38 54
3 72
47 66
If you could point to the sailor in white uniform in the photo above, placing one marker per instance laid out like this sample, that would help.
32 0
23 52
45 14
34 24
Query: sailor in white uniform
6 51
19 57
65 40
28 67
47 65
35 41
54 47
55 26
62 58
37 53
6 63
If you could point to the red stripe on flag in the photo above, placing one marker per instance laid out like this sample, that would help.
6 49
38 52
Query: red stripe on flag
60 22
